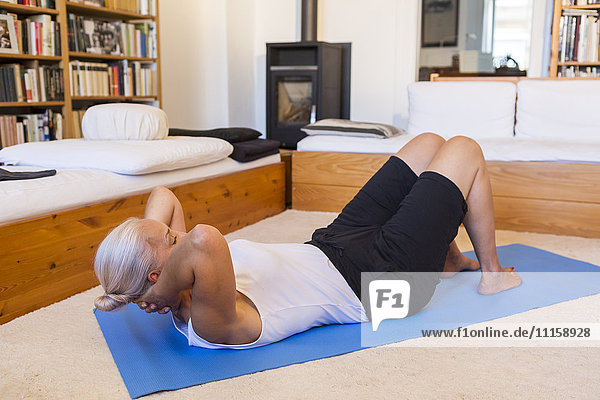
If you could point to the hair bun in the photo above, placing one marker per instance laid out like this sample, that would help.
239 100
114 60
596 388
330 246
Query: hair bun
109 301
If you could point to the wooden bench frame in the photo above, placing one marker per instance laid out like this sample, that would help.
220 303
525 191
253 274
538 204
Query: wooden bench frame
47 259
544 197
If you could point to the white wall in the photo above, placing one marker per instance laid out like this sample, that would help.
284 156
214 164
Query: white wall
213 56
384 37
194 63
275 21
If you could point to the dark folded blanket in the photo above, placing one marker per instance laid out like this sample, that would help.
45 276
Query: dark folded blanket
232 135
254 149
15 176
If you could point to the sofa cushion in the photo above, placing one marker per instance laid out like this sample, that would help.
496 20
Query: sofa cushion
529 149
473 109
558 110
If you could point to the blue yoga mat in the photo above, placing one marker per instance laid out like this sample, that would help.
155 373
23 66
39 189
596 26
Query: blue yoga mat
153 356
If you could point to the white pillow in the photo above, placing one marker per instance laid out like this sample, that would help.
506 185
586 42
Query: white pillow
345 127
474 109
129 157
558 110
124 121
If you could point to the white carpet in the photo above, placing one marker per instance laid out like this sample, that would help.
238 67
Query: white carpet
59 353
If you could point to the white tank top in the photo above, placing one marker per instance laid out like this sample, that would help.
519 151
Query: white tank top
294 287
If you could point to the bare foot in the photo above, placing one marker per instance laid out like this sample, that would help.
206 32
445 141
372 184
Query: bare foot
457 263
495 282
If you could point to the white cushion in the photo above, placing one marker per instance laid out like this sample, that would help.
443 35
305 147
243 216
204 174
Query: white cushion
559 110
528 149
495 149
473 109
124 121
345 127
129 157
345 144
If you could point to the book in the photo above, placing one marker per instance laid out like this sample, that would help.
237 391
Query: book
134 39
45 32
24 128
578 36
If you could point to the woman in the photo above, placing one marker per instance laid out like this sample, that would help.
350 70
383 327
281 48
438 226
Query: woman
248 294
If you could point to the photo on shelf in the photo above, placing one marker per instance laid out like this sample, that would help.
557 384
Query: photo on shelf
102 37
8 37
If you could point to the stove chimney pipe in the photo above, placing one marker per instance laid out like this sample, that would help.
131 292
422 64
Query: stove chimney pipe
308 32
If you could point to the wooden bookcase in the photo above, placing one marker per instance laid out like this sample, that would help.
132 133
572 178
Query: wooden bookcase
70 103
555 63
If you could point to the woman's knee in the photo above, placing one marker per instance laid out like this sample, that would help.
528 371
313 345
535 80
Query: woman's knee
423 144
432 139
466 147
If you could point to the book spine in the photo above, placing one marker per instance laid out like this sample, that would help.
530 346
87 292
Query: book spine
12 87
18 28
28 89
35 88
3 94
59 126
38 39
42 84
20 133
2 133
18 83
13 127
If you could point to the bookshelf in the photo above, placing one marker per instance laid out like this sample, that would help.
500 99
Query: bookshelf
75 101
575 40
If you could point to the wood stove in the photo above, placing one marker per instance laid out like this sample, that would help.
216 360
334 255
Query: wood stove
306 81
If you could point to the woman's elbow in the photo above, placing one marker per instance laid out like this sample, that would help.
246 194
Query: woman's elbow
205 236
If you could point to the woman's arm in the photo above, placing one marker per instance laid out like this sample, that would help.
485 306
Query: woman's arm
164 206
202 261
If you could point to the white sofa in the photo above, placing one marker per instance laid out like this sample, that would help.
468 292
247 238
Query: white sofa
541 139
533 120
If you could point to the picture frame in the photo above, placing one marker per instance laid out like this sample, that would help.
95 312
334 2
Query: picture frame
8 35
439 23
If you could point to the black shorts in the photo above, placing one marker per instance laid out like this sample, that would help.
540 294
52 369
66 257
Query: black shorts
395 223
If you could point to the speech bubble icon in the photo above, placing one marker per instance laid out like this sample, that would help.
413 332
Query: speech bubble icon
389 299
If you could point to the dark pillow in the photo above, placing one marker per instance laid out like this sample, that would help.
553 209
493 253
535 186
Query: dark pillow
232 135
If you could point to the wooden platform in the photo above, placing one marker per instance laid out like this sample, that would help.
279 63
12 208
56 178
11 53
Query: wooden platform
544 197
50 258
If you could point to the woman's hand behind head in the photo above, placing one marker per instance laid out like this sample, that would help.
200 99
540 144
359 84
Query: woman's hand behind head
154 302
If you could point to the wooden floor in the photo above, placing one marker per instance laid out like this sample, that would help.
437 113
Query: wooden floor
50 258
544 197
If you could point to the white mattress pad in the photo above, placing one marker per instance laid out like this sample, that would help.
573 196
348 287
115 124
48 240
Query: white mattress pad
494 149
74 188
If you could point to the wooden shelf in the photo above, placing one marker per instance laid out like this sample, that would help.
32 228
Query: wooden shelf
21 9
92 56
29 57
580 63
581 78
555 62
37 104
586 7
104 12
70 103
93 98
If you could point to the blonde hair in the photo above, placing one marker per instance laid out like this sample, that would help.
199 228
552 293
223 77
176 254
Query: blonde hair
123 261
